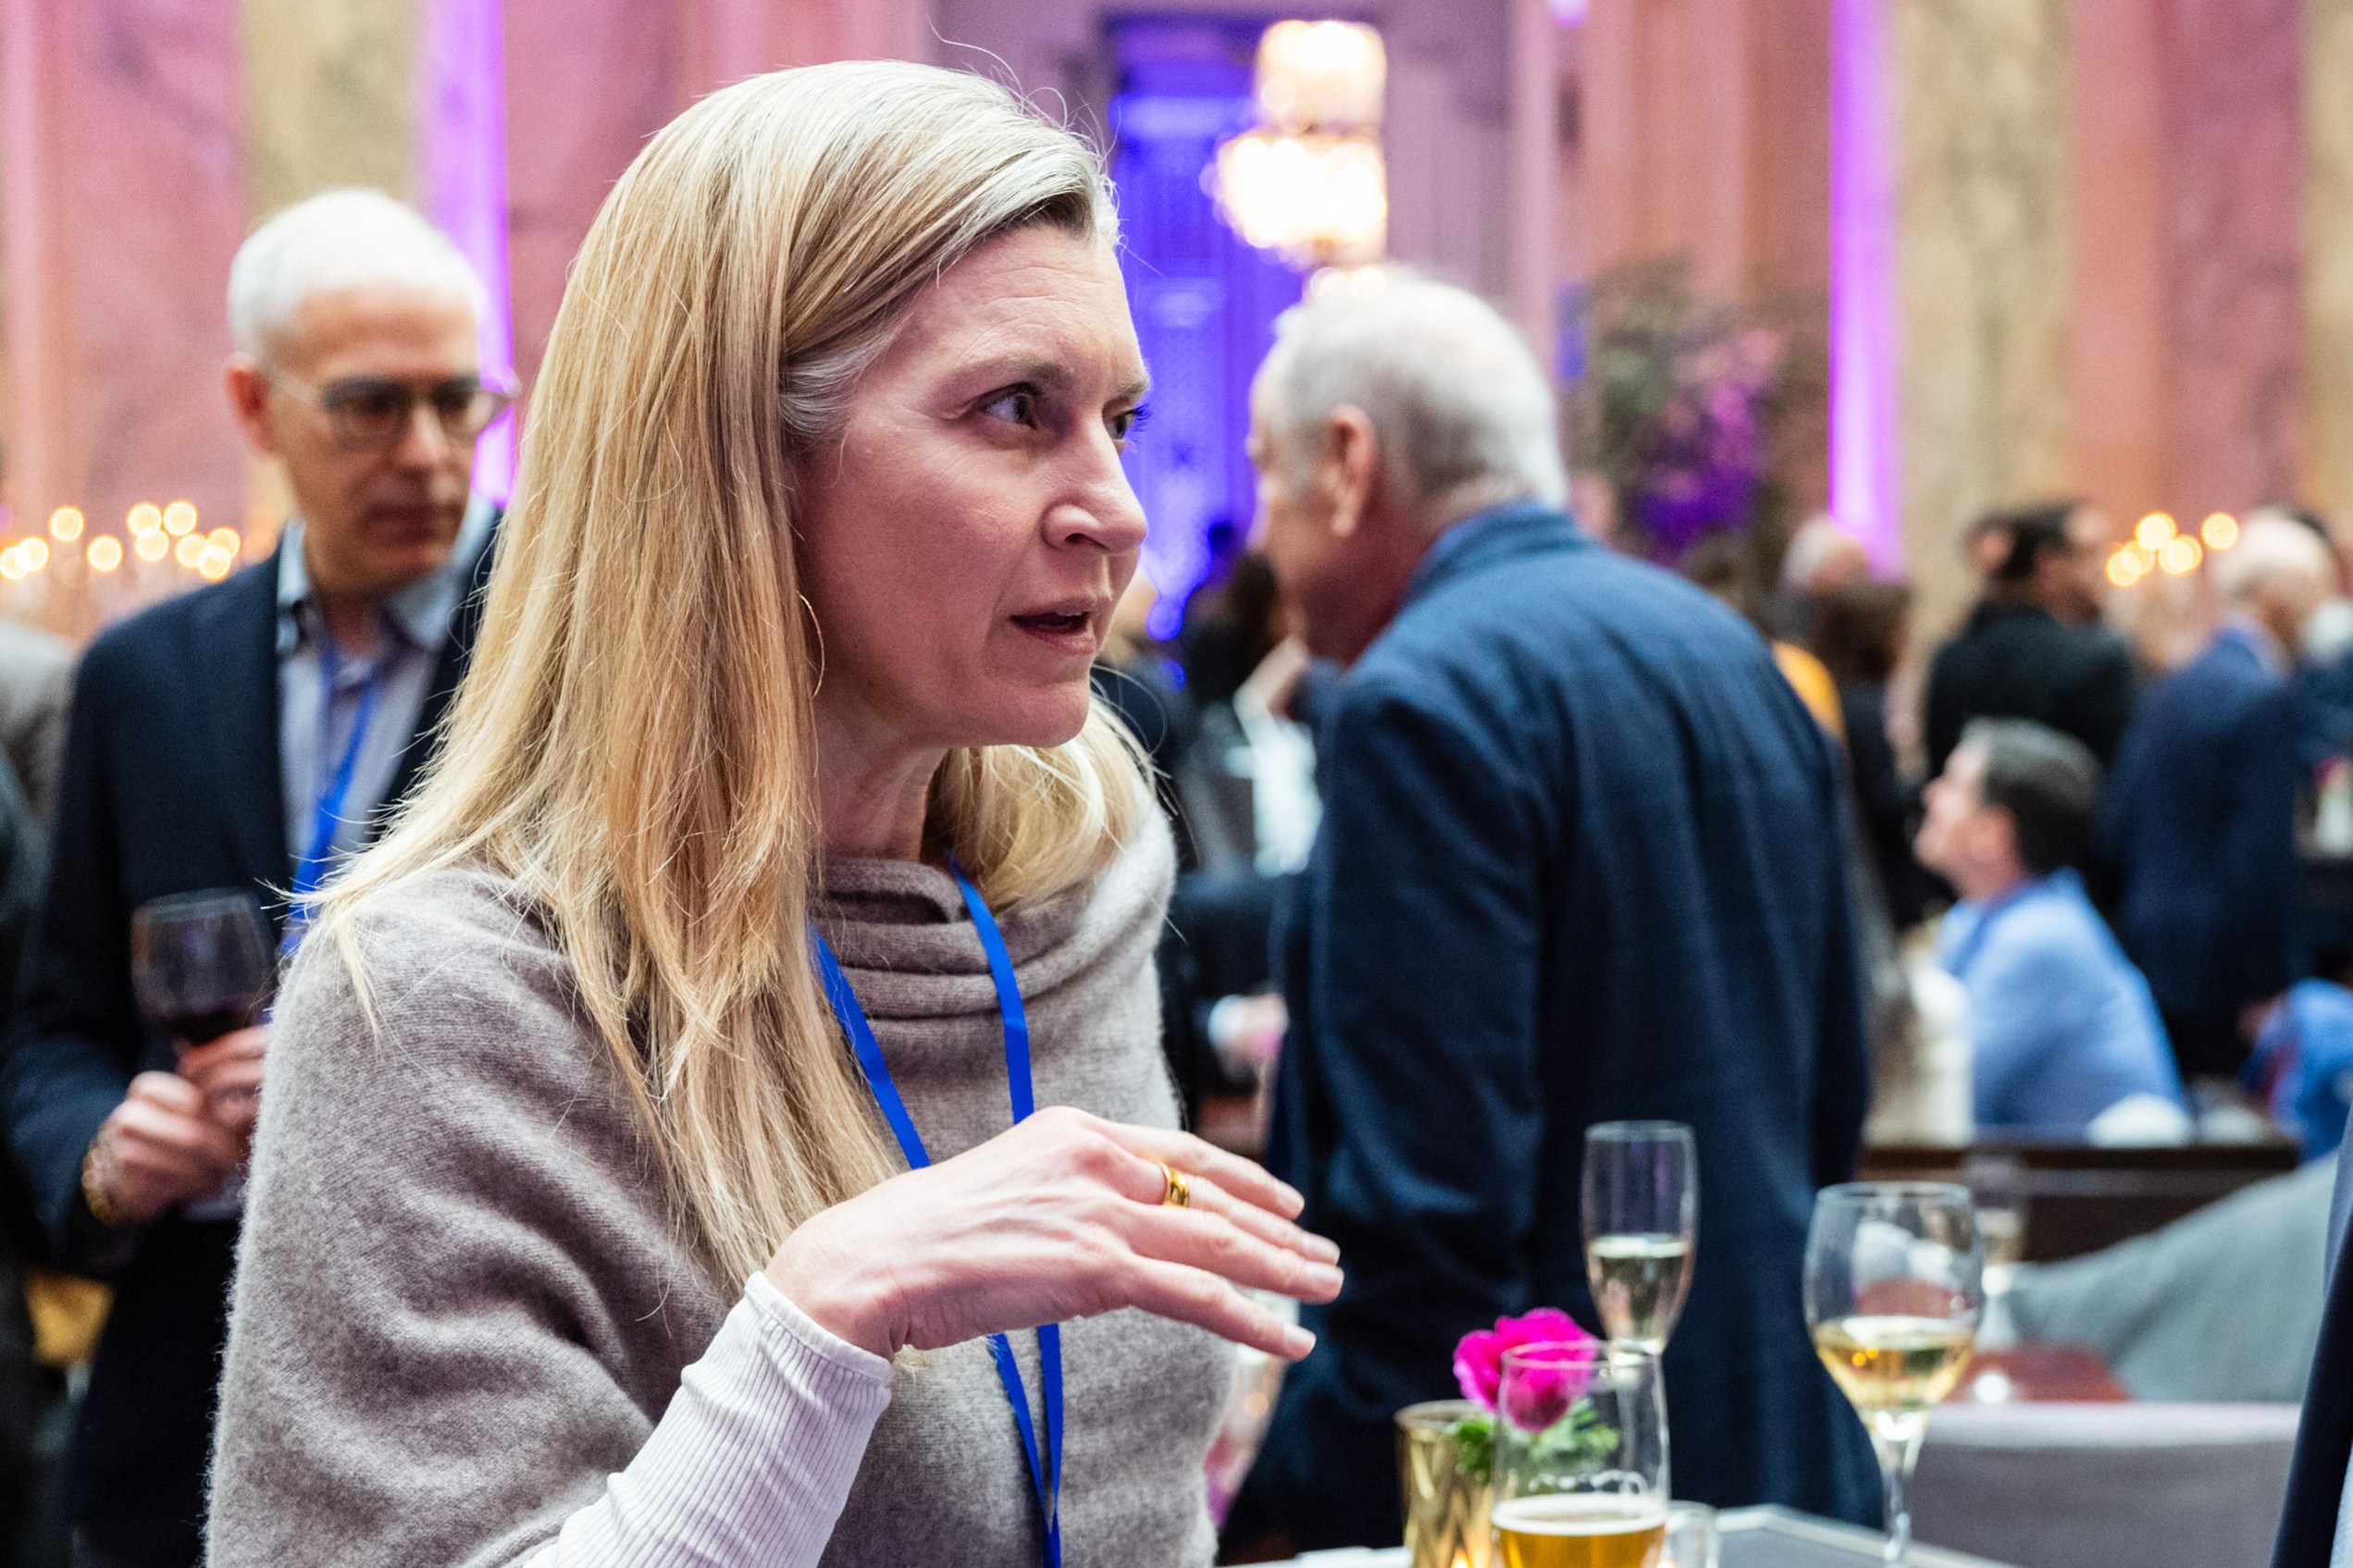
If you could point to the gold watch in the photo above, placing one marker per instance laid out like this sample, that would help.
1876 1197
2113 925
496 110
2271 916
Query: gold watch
95 1194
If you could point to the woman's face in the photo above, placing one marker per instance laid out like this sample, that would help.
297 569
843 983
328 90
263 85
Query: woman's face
964 544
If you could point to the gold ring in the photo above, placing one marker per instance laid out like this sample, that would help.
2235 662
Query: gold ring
1178 1191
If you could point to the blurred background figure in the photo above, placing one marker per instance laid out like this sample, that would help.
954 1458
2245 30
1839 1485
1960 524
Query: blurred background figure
2064 1036
331 663
1820 560
2033 649
1860 630
1580 859
36 694
2199 816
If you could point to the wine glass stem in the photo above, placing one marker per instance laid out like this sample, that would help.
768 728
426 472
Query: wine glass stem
1897 1441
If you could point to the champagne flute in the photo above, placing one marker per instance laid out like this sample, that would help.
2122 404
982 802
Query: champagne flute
1894 1285
200 963
1997 1184
1581 1457
1641 1210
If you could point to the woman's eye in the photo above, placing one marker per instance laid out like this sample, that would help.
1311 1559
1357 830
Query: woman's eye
1018 406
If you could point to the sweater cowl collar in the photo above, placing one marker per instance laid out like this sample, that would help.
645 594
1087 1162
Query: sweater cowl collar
906 943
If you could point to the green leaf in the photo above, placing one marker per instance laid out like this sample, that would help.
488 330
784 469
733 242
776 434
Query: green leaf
1474 1448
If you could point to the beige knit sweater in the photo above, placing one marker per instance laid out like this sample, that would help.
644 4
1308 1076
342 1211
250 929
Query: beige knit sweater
461 1313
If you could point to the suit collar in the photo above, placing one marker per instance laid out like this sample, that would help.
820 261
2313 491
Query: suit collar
457 652
1499 534
234 632
421 612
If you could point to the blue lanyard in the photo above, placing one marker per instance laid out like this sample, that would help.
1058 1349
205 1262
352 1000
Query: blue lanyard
326 808
852 1018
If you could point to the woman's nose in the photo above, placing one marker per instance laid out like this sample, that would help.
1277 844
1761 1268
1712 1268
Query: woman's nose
1104 513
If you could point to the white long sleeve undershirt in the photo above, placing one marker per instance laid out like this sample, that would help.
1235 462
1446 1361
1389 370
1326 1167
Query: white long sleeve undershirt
752 1462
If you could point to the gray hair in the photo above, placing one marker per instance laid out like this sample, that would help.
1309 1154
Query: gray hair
349 238
2271 545
1452 391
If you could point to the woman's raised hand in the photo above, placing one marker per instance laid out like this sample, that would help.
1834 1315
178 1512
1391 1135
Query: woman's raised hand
1059 1217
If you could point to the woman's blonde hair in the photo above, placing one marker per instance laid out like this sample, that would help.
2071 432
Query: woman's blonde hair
634 747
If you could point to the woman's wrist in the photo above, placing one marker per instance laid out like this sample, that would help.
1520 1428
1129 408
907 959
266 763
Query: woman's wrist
848 1297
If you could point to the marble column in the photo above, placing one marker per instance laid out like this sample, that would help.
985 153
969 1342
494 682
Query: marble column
589 81
125 198
2118 375
1980 102
2234 290
2328 256
329 97
2190 299
1706 133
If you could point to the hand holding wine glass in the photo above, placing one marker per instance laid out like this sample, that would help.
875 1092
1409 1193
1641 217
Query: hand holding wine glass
1894 1287
202 970
1641 1214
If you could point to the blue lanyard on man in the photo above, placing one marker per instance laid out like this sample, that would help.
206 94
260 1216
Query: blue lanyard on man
334 788
852 1018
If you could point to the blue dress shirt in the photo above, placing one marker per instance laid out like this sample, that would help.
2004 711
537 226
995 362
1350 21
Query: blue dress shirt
2060 1024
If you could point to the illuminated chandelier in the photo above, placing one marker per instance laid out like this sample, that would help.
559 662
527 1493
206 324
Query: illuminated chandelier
1309 182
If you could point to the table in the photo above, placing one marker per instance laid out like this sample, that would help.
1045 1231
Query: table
2039 1375
1753 1537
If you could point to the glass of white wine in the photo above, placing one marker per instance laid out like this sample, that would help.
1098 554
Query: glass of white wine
1894 1286
1581 1457
1642 1212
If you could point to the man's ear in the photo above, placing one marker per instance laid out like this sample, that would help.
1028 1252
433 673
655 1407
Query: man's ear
1351 466
248 391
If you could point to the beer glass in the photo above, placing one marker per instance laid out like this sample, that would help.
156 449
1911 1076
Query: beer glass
1581 1457
1642 1213
1894 1285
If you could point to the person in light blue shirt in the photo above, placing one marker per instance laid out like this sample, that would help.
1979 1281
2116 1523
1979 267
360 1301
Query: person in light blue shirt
2061 1026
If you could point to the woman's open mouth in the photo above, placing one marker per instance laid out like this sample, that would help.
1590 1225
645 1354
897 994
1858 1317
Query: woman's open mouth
1071 631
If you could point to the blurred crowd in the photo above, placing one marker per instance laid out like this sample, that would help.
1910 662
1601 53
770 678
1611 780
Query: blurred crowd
2100 874
1486 831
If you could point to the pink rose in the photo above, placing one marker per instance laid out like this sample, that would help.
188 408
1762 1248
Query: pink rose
1479 1359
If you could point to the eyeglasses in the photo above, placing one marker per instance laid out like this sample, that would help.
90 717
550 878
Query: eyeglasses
373 412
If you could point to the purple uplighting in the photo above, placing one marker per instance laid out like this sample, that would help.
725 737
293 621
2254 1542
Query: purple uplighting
1863 332
462 158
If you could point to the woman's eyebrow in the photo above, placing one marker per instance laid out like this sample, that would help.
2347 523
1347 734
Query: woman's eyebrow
1051 375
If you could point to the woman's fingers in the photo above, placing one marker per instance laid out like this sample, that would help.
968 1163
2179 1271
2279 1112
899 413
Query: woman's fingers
1213 1242
1191 1295
1246 1179
1211 1198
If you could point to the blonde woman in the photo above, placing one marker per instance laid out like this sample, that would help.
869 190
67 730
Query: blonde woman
774 848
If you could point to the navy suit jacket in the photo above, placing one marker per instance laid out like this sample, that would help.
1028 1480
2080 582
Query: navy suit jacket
2324 1435
1580 860
2199 819
171 784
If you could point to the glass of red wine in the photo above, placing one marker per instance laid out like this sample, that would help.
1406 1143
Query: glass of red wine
201 963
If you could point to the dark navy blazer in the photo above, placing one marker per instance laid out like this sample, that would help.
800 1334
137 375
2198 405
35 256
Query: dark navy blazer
1580 860
2324 1435
2200 818
171 784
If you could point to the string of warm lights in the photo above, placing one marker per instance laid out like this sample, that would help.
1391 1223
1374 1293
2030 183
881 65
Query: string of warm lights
2159 545
155 533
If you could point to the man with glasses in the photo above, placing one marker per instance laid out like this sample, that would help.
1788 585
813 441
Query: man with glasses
250 735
